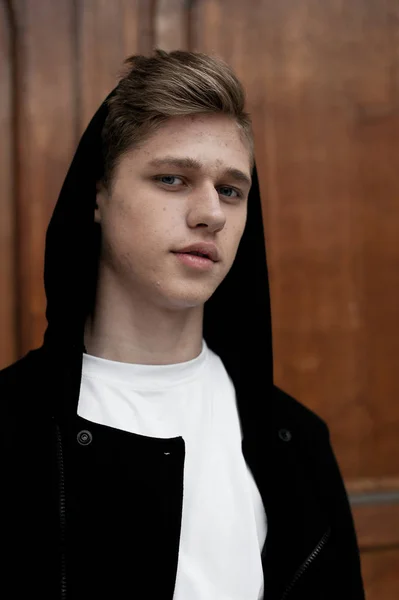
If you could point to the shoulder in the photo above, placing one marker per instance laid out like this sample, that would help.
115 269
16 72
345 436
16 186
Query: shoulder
12 373
295 416
19 380
310 441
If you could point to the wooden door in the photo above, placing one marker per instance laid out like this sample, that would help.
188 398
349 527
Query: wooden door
322 83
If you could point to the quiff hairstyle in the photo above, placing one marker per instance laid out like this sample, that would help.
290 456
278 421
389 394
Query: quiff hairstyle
169 84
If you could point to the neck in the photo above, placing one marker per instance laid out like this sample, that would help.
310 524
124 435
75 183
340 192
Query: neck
127 327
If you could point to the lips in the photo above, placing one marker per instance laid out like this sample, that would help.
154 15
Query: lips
194 261
196 254
204 249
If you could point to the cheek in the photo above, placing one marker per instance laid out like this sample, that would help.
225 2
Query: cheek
236 228
233 238
118 231
241 226
137 236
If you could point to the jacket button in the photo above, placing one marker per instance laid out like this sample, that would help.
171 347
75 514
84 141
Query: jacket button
84 437
285 435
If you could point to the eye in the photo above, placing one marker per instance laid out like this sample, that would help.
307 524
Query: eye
166 179
162 177
226 187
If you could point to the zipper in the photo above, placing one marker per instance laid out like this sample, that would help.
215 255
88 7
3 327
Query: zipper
60 462
306 563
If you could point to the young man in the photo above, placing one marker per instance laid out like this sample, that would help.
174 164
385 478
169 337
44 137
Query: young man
147 453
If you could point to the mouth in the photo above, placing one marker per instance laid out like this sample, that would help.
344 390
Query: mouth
195 260
202 249
200 254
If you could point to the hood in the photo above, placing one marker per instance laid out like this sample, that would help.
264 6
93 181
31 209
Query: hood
237 324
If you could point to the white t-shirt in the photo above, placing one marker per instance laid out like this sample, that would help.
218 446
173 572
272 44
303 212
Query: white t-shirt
223 521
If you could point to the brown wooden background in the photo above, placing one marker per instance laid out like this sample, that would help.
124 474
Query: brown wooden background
322 79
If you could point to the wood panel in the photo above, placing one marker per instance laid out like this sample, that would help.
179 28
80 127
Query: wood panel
321 85
377 135
320 79
324 109
107 33
172 25
375 507
380 571
8 325
45 137
377 525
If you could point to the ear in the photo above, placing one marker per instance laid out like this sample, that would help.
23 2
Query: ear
101 198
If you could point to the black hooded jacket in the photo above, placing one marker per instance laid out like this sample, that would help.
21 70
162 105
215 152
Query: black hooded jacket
102 519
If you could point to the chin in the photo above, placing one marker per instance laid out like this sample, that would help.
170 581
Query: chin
179 294
184 301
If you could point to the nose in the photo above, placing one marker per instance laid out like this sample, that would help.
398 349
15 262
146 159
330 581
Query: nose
206 209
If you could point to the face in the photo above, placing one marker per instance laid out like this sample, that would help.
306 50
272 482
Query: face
161 202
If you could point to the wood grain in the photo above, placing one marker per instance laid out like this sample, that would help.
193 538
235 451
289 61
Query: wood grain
373 485
171 30
8 325
107 33
375 508
380 571
377 526
322 87
45 138
320 79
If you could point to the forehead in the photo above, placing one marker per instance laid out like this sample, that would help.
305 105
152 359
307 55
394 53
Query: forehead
198 143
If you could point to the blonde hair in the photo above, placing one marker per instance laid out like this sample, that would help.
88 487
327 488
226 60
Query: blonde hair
169 84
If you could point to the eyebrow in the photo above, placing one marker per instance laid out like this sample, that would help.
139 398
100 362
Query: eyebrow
192 163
